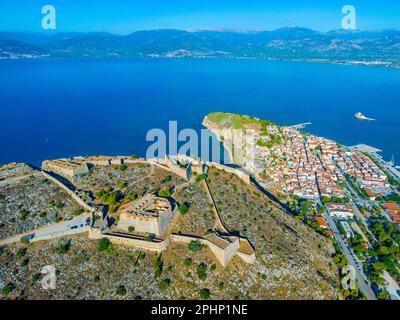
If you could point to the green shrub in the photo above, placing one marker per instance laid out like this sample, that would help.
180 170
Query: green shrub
78 211
103 244
24 262
36 277
166 179
131 228
202 271
204 293
188 262
63 248
194 246
150 237
23 214
157 265
8 288
121 290
164 193
42 214
122 185
183 208
25 239
201 177
164 284
21 252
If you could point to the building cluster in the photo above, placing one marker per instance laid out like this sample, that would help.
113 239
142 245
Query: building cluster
394 211
311 167
304 166
340 210
368 175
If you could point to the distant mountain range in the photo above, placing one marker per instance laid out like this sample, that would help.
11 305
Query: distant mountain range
291 43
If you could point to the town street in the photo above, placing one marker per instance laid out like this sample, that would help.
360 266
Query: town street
363 282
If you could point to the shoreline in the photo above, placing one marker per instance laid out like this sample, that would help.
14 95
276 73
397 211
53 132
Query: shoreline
343 62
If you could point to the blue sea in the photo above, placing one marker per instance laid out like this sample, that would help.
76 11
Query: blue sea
60 108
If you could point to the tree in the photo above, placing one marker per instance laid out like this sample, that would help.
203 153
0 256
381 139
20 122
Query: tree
204 293
202 271
201 177
63 248
25 239
131 228
188 262
194 246
157 265
149 237
36 277
166 179
383 295
121 290
21 252
164 193
183 208
164 284
103 244
8 288
78 211
122 185
23 214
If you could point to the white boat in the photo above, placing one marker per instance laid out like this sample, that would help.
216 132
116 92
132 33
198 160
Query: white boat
360 116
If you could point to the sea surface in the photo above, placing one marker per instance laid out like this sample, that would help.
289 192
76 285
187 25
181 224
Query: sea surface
66 107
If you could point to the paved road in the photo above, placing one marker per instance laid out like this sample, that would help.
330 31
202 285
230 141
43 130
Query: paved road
53 231
363 282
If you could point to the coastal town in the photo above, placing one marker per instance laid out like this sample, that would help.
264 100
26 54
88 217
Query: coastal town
182 205
342 192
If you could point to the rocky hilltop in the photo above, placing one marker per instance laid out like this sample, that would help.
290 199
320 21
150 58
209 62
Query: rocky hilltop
292 261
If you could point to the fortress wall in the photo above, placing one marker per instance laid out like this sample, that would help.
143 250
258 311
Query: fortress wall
166 165
210 196
116 161
69 191
166 219
133 161
248 258
224 255
187 239
242 175
99 162
139 244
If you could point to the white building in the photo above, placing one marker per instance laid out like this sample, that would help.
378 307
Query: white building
340 210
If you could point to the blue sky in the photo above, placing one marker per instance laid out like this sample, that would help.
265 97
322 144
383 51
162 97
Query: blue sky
123 17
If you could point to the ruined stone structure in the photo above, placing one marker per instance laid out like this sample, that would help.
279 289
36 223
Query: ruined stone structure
150 214
66 168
